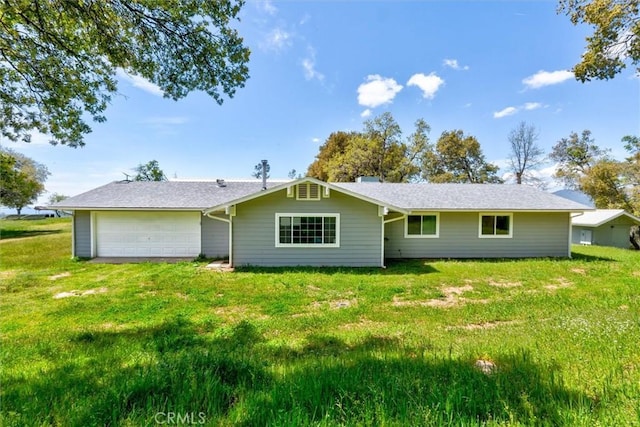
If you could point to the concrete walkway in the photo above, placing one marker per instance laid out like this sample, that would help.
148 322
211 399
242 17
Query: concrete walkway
139 260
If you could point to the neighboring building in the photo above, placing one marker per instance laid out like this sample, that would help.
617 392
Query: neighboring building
604 227
310 222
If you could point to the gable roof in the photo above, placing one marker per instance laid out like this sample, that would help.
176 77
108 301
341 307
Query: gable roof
601 216
471 197
208 196
179 195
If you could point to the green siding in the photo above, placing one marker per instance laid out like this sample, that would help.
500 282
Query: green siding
82 233
254 228
534 235
613 233
215 237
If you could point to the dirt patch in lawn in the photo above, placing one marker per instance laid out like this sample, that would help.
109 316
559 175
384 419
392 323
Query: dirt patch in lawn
363 323
502 284
75 293
60 276
240 312
561 283
486 325
579 271
451 298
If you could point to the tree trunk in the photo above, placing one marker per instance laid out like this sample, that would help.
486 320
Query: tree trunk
19 210
634 237
518 177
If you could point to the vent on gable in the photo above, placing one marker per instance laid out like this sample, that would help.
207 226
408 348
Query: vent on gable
308 191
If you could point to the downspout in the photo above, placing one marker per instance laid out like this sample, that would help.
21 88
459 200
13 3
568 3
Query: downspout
382 233
73 234
230 222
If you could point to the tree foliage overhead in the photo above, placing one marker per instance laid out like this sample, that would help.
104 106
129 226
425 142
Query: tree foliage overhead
459 159
612 184
525 154
58 59
149 172
377 151
615 40
22 179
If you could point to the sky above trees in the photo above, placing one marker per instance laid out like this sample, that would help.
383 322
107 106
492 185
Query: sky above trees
318 67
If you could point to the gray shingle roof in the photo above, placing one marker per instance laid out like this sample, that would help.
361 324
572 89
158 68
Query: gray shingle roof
197 195
486 197
200 195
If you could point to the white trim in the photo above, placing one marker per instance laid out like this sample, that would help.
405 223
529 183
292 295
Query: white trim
385 222
92 233
495 236
570 237
422 236
151 209
278 215
73 234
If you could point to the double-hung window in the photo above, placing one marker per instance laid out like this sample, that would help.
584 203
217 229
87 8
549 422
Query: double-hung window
422 226
307 230
496 225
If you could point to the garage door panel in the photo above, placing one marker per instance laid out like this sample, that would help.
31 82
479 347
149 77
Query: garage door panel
148 234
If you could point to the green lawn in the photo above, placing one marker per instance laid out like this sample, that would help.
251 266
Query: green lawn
139 344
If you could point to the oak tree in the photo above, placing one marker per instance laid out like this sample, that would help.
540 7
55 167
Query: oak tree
149 172
22 179
615 41
58 59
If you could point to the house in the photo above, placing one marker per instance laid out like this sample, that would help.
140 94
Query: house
316 223
604 227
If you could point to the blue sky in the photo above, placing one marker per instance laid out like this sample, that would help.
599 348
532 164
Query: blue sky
323 66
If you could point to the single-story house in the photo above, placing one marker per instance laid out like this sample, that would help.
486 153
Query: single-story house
315 223
604 227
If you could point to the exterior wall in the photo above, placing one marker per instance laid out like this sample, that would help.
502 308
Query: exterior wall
215 237
82 234
534 235
613 233
254 231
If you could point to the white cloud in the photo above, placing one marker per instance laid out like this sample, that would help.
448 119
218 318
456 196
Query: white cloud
267 6
546 78
428 84
277 40
505 112
377 91
309 66
453 63
315 140
509 111
366 113
532 106
140 82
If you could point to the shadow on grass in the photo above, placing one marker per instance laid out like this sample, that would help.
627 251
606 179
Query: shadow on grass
235 378
392 267
589 258
19 234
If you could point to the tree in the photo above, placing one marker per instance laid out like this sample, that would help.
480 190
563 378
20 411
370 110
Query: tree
55 198
376 151
458 158
525 154
604 183
574 156
22 179
257 171
615 39
59 58
293 174
149 172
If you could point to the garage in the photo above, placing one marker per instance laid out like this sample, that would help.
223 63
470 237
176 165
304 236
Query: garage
147 234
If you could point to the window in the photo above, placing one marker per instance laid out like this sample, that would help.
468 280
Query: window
496 225
308 230
422 226
308 191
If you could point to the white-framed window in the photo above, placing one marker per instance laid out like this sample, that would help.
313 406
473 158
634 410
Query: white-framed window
424 225
307 230
308 191
494 225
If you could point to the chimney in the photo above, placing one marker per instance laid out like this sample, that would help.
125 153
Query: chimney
264 174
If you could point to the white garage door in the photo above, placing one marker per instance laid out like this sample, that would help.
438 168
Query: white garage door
148 234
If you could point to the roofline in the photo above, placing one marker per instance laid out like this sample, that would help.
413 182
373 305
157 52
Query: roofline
598 224
498 210
300 181
95 208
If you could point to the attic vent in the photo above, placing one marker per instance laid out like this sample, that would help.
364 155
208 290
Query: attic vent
221 183
308 191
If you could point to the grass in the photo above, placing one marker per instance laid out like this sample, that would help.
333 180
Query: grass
141 343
